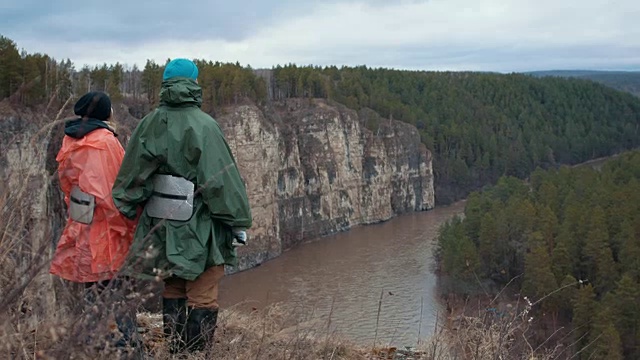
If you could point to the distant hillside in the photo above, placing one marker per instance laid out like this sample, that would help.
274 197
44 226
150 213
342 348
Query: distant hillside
480 126
628 81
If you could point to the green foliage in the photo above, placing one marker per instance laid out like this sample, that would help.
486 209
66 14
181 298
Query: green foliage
539 280
604 337
482 126
460 258
228 84
588 230
584 308
11 64
628 81
222 84
36 79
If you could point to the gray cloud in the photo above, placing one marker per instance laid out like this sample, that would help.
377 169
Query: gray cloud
134 22
491 35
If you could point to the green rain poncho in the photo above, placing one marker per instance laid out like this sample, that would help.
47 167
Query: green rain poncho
181 140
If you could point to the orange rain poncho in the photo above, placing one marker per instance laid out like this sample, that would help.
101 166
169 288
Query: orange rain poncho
94 252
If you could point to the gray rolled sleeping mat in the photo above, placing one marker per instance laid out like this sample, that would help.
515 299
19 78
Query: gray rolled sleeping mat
172 198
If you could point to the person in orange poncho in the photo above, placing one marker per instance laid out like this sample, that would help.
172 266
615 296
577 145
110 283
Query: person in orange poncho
96 238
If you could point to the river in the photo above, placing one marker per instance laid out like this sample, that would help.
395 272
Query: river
341 278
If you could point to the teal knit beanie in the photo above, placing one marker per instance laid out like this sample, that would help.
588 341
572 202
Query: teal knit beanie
180 68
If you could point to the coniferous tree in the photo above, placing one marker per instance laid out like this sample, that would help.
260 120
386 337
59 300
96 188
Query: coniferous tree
605 337
576 241
584 308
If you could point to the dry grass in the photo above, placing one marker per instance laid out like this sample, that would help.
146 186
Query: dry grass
260 335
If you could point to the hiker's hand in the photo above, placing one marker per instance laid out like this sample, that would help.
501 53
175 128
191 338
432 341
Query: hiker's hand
239 238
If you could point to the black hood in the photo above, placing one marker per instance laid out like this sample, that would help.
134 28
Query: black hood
79 128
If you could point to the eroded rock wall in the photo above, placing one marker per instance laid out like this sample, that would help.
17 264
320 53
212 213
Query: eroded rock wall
313 169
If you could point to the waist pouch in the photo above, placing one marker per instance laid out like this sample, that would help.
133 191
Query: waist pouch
81 206
172 198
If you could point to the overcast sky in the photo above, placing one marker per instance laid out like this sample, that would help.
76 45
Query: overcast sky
485 35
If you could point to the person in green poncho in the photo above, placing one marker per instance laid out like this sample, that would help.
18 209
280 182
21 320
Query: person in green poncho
180 176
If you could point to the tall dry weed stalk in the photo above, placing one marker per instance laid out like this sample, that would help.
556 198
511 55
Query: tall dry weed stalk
507 334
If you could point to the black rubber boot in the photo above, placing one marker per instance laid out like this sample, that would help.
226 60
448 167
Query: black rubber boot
128 326
174 318
201 325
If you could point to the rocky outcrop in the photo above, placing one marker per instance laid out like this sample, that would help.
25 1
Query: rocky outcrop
313 168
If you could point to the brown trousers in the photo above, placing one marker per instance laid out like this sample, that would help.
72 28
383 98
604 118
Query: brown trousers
200 293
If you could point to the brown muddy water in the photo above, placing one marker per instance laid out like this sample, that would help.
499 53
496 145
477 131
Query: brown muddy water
338 280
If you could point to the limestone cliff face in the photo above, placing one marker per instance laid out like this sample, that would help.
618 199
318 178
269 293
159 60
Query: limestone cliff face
313 169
